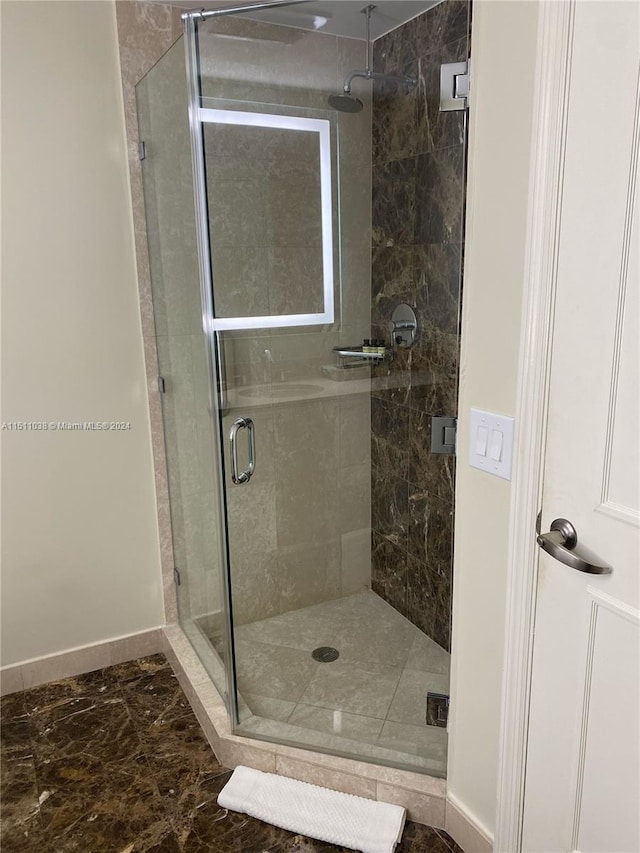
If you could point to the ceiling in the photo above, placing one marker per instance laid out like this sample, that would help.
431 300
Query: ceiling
337 17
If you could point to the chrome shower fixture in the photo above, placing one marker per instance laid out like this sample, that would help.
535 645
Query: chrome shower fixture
348 103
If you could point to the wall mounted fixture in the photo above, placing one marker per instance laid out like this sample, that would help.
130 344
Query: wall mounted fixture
454 86
348 103
403 326
299 124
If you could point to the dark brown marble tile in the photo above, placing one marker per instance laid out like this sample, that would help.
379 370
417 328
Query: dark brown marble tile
389 439
20 821
393 280
207 827
27 837
101 729
433 129
389 507
97 686
414 142
448 840
133 670
391 380
154 698
396 49
429 471
172 740
423 839
434 373
429 602
438 199
96 803
447 22
389 571
421 596
16 728
394 130
394 203
82 802
430 533
438 277
441 632
407 120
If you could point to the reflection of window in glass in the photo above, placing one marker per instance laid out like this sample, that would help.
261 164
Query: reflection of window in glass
269 195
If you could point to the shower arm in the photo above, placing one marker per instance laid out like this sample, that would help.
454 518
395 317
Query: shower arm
368 74
376 75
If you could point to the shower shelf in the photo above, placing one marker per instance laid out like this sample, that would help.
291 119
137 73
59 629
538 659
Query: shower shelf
356 352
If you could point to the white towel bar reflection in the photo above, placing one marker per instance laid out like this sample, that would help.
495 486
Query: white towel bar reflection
243 476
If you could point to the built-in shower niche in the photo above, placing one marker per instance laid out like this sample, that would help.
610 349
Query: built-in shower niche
341 536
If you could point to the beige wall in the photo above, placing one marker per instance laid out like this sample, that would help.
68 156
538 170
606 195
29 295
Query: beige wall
502 50
80 540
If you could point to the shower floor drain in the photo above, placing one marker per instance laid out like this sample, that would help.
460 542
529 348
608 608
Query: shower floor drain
325 654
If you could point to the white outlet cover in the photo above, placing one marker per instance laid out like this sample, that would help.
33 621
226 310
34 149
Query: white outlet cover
493 423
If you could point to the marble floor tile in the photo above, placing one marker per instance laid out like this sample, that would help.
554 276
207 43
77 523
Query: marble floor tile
409 703
361 626
105 731
428 741
385 667
273 709
365 688
353 726
78 790
427 656
20 821
277 672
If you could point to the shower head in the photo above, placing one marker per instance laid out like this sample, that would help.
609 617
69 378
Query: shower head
348 103
345 103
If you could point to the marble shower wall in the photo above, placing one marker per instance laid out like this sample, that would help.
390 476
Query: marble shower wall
417 246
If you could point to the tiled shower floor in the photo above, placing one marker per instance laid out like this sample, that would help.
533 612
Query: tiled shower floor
371 700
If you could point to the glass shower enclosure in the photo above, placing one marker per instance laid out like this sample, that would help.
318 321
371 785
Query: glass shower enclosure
311 524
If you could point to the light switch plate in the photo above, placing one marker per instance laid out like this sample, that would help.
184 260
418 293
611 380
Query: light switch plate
481 420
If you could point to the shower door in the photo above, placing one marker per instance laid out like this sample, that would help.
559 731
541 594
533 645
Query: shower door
288 241
313 226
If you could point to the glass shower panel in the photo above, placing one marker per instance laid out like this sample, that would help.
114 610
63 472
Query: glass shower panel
337 516
318 655
189 430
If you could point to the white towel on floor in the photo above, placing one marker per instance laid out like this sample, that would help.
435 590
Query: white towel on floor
364 825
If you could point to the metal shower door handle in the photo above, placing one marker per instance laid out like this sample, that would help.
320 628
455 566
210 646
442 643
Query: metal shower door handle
561 542
243 476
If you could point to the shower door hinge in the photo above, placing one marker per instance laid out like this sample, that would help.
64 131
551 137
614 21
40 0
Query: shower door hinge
142 150
162 385
455 86
443 435
176 576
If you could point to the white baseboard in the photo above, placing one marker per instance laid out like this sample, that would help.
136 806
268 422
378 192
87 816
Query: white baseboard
465 829
37 671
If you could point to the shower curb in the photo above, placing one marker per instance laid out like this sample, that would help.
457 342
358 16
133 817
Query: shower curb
423 796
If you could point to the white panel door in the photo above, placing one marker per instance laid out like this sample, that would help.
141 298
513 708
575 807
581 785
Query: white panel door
583 762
